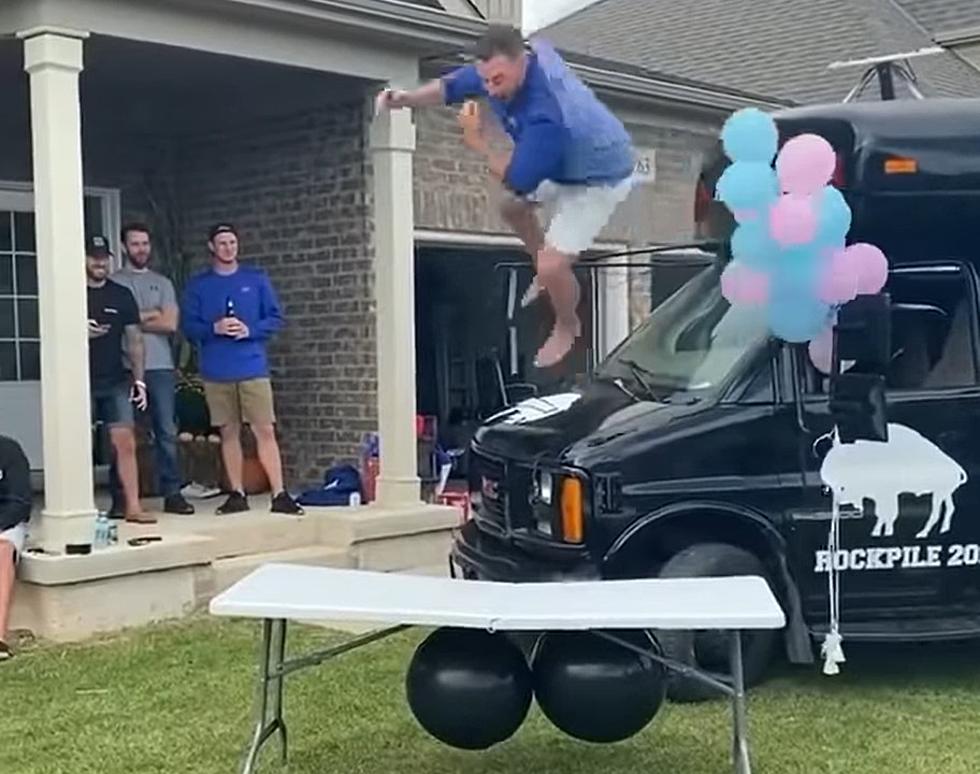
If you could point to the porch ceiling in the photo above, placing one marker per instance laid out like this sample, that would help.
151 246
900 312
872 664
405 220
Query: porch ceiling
142 88
372 39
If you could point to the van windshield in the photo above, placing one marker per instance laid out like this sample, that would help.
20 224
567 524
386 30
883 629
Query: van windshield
690 343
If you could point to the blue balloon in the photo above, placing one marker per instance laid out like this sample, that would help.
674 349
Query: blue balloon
752 245
797 317
795 275
748 186
750 135
834 218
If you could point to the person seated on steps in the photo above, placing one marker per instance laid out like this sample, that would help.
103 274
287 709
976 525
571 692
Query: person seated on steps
15 512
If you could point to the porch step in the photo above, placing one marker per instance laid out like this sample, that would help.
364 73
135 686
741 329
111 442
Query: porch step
226 572
253 532
346 526
400 554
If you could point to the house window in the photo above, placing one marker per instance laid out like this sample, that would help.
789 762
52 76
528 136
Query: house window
20 331
20 335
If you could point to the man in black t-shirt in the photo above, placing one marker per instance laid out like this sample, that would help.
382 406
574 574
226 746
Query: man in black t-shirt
114 318
15 512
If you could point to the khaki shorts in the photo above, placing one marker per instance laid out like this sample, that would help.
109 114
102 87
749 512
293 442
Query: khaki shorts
249 402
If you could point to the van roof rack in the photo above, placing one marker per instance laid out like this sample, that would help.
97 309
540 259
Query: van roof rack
885 69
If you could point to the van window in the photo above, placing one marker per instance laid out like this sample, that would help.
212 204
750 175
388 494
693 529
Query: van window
759 390
932 332
693 342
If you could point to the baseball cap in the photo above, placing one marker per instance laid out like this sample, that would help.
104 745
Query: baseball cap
221 228
97 245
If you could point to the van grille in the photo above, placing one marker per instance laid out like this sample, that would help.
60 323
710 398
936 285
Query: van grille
502 491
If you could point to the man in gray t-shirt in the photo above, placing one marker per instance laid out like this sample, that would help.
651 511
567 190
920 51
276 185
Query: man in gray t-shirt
158 307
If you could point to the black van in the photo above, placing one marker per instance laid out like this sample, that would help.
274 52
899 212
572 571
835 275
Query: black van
696 447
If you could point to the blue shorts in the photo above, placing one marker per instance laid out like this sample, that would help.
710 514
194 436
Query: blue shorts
112 406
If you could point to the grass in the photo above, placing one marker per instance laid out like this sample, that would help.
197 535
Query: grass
177 698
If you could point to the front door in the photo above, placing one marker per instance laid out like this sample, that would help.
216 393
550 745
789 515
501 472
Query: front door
910 524
20 334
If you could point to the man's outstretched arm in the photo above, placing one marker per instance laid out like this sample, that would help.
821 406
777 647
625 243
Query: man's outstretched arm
461 84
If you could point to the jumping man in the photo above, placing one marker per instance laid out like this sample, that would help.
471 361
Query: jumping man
568 148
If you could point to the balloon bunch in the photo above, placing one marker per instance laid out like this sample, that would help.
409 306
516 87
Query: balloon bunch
789 250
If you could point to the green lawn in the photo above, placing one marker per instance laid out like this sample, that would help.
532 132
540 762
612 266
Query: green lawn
177 698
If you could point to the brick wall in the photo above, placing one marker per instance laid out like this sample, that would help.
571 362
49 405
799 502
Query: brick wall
297 188
662 212
453 190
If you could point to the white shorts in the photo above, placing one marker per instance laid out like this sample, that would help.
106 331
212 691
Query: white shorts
580 212
17 536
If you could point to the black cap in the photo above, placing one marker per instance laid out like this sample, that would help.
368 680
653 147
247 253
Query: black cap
221 228
97 246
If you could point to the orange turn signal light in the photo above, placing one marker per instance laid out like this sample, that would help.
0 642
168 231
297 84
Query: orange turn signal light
901 166
572 517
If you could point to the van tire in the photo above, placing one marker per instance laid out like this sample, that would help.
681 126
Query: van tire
707 560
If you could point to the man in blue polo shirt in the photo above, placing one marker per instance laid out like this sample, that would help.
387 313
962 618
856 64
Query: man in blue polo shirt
569 148
230 311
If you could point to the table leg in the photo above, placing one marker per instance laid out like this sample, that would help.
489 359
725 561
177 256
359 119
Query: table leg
270 691
277 682
740 742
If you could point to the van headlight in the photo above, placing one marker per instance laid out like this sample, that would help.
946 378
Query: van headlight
544 484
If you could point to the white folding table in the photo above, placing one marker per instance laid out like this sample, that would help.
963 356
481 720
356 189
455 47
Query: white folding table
276 593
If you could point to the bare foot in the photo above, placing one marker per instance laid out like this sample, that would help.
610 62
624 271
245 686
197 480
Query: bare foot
558 344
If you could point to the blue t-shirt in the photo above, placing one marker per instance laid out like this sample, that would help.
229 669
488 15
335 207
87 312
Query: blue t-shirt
561 131
206 299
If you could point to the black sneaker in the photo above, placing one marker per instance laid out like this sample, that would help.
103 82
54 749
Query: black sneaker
5 652
177 504
237 502
117 511
283 503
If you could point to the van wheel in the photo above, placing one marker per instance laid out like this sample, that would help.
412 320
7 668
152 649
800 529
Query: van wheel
708 650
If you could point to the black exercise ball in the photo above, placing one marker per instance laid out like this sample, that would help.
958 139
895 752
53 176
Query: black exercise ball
596 690
469 688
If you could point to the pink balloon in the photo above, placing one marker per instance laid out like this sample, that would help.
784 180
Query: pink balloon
793 220
839 281
744 286
871 267
821 351
805 164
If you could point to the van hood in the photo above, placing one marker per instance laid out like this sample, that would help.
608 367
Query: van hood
569 426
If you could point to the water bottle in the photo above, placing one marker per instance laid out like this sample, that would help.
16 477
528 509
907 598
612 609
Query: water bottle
113 537
101 531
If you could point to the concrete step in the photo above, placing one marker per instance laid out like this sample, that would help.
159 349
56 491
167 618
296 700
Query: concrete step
226 572
241 534
395 554
344 526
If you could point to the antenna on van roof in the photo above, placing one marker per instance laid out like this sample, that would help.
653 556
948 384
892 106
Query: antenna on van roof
885 68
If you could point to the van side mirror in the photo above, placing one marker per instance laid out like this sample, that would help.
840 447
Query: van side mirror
864 333
857 400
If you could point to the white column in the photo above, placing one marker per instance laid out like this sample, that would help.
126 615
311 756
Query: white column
53 58
392 146
614 295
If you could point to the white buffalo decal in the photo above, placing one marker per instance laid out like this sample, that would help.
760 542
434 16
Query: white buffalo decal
907 464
